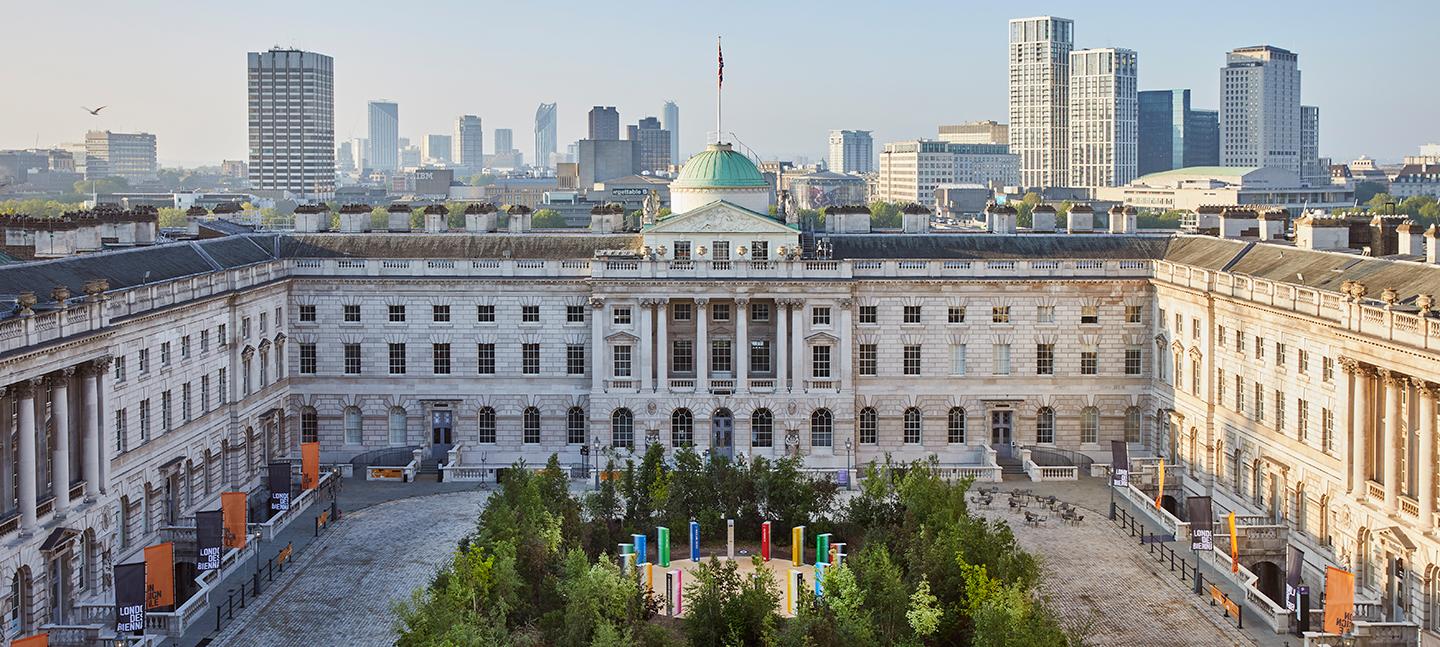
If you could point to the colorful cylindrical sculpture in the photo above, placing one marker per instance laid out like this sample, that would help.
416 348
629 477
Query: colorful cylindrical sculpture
797 546
694 541
662 545
765 541
820 578
639 541
822 547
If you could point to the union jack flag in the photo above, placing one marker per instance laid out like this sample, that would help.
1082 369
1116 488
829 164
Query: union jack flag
720 53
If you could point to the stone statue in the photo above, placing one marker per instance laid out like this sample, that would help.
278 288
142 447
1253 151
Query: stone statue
651 208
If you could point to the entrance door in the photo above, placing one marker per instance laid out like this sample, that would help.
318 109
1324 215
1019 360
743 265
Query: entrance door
722 434
1001 424
60 602
441 434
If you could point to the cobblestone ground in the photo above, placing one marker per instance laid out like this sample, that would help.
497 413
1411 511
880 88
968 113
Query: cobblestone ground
1099 578
339 591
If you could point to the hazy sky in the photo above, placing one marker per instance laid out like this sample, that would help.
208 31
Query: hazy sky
794 69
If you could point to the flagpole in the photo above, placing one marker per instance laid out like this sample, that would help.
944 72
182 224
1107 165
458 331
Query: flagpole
719 87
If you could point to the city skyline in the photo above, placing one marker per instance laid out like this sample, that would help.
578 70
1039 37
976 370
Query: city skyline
1355 122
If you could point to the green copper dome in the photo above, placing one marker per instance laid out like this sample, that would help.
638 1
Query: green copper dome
719 167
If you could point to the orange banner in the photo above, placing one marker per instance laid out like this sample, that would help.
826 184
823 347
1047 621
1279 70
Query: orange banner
1234 546
309 465
232 505
160 575
37 640
1339 601
1160 493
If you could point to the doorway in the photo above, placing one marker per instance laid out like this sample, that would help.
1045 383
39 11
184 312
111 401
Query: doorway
722 433
442 434
1001 431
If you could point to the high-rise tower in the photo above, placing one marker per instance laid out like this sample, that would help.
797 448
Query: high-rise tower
1040 98
545 135
384 136
292 122
1260 108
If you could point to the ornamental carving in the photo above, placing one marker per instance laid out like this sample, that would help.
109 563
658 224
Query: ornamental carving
597 302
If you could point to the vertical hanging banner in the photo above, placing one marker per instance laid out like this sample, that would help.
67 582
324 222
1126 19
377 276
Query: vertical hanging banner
1119 464
765 541
160 576
37 640
279 482
1234 546
1294 561
1339 601
1202 523
662 545
1160 484
209 539
232 505
694 541
797 546
309 465
129 598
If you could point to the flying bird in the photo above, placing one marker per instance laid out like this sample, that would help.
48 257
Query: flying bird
95 112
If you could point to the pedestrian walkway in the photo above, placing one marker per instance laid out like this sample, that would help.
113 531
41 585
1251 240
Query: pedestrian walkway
362 503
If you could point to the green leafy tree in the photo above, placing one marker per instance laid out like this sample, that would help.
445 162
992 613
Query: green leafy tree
924 614
1365 191
885 215
724 608
171 217
548 219
102 186
40 208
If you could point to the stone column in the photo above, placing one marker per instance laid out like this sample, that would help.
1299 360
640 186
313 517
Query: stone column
1427 392
598 366
742 345
646 341
702 345
846 343
60 410
25 399
662 344
1343 423
93 447
781 358
1390 441
797 344
1360 429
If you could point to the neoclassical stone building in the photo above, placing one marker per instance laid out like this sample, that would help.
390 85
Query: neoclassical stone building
1291 384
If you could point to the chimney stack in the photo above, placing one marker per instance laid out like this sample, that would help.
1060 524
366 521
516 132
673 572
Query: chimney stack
1411 238
398 218
915 219
519 217
354 219
1432 249
1080 220
436 219
1316 232
607 218
1000 218
480 218
1239 222
1042 219
312 218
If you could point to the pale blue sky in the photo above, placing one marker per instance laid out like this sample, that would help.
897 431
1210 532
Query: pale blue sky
794 70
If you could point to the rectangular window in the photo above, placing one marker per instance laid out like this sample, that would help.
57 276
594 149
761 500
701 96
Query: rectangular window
1327 430
1259 347
145 420
762 430
397 313
1327 369
622 361
720 249
868 314
165 410
1001 359
185 347
1089 362
1220 386
1045 314
1239 394
1279 411
530 359
307 314
1089 314
868 359
204 341
531 314
1194 328
1133 362
720 312
119 368
911 315
1220 336
1044 359
912 359
620 316
820 362
682 356
441 355
1302 364
351 312
760 356
956 315
397 359
1259 402
1195 377
440 313
957 359
165 353
204 394
1132 314
1240 342
759 312
1302 419
1282 355
245 328
575 314
486 354
1179 324
308 359
120 430
682 250
144 361
1000 314
352 359
683 311
720 358
185 402
485 313
574 359
819 316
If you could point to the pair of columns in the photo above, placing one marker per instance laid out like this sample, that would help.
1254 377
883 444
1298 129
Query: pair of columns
1365 389
30 398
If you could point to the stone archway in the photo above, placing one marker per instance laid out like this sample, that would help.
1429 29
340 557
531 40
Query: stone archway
1270 579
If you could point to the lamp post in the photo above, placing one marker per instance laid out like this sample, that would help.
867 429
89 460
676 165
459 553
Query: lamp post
595 456
849 445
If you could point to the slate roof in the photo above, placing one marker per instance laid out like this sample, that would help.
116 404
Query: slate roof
130 267
989 246
496 245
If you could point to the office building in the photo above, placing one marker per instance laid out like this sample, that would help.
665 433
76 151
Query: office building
436 150
910 170
469 153
1039 61
292 122
976 132
1189 189
606 159
604 123
384 136
545 136
1104 117
670 120
654 144
1260 108
345 158
1174 135
852 151
1310 168
124 155
360 148
504 140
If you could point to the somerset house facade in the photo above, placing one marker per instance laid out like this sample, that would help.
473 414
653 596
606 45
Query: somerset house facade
1291 384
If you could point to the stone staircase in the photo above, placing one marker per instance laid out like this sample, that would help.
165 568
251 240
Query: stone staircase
1010 466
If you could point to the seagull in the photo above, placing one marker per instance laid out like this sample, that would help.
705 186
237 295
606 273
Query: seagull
95 112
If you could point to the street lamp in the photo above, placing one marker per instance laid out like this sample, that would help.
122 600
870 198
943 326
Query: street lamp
595 456
849 444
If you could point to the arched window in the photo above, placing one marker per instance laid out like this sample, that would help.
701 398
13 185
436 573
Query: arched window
485 425
622 428
398 432
1045 425
575 426
682 428
955 426
1300 515
822 428
124 526
913 422
869 426
1432 598
530 426
1132 425
354 427
1323 534
762 428
309 425
1090 425
21 612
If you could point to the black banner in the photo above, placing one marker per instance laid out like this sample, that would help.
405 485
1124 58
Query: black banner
1202 522
1119 464
1293 563
209 536
130 598
279 487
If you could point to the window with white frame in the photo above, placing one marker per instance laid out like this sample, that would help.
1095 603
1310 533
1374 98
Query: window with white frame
911 359
720 356
760 356
955 426
1045 425
530 359
1044 359
1045 314
820 316
1001 359
820 362
621 361
822 428
913 426
485 425
1089 425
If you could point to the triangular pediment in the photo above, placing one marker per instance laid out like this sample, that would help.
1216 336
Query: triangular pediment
621 336
720 217
822 338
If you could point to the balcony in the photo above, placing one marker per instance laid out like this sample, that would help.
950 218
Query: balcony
622 385
722 387
685 385
762 385
822 385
